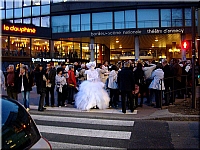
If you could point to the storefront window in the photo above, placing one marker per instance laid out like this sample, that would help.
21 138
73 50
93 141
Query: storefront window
188 20
36 11
36 21
27 11
2 14
85 22
40 48
19 46
45 10
130 21
27 3
119 19
45 21
76 50
18 13
102 21
85 51
165 17
75 23
17 3
4 45
9 13
27 21
60 24
18 21
177 19
147 21
9 4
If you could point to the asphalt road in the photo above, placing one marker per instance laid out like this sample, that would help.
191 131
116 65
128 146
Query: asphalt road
78 130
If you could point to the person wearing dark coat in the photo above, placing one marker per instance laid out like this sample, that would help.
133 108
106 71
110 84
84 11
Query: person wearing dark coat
40 80
25 82
167 80
139 80
126 85
51 75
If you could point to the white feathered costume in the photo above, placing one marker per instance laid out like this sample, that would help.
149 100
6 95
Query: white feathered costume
91 92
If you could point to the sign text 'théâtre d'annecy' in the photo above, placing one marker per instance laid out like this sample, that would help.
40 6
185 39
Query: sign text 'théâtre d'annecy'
14 28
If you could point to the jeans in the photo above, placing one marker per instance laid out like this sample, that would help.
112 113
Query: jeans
114 97
51 91
25 96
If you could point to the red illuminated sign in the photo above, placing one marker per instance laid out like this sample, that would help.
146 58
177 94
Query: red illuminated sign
14 28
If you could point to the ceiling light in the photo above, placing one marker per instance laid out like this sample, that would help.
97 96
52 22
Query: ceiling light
117 41
198 39
120 46
152 45
156 40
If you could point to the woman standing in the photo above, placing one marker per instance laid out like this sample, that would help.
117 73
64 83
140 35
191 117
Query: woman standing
25 85
71 81
139 80
157 85
113 86
60 85
40 80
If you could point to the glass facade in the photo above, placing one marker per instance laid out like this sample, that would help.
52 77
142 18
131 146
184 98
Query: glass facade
147 21
85 22
130 21
26 11
40 48
102 21
45 21
119 19
75 23
60 24
188 21
177 17
165 17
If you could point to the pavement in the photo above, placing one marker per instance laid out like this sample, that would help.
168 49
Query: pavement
145 112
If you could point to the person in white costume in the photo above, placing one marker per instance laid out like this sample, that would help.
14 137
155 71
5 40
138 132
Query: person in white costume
91 92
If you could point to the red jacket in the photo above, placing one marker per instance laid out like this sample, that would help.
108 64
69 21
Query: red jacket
72 78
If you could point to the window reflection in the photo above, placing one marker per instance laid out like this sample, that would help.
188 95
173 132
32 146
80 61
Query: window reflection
9 4
19 46
57 1
119 19
36 2
150 20
18 21
60 24
75 23
2 14
130 21
165 17
17 3
177 18
45 10
36 11
45 2
9 13
18 13
27 21
102 21
45 21
40 48
27 2
188 17
36 21
85 51
27 11
2 4
85 22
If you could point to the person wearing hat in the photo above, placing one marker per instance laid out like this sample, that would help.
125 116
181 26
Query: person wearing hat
40 80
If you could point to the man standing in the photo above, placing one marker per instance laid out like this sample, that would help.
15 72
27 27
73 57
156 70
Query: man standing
11 82
51 74
126 85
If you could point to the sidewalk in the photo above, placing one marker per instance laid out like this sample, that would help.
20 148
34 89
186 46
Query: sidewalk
145 112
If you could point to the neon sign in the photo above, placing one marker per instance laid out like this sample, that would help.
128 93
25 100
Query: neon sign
14 28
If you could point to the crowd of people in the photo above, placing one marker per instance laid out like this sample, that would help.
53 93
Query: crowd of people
88 86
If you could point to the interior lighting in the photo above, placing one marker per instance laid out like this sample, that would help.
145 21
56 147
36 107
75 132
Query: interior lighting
120 46
152 45
117 41
156 40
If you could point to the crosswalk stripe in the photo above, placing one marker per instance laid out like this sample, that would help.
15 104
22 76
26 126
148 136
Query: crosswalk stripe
85 132
84 120
59 145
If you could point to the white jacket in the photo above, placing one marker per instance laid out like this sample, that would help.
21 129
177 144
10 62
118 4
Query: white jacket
112 80
156 83
148 71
